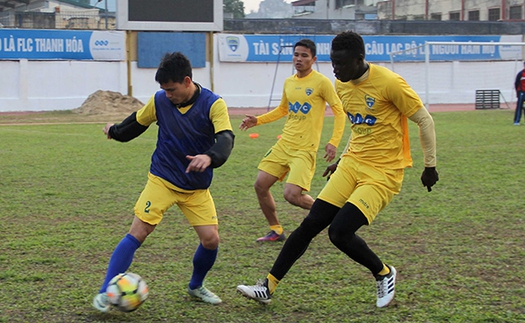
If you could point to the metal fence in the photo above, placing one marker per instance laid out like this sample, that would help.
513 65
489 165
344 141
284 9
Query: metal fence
85 19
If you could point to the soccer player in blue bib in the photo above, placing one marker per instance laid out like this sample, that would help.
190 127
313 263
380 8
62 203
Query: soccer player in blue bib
378 103
194 136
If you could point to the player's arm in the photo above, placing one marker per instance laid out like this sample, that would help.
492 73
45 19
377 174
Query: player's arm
335 104
224 137
427 136
134 125
333 100
221 150
128 129
277 113
330 169
251 121
273 115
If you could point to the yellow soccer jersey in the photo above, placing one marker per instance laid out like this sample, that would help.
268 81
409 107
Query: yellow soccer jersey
378 108
304 101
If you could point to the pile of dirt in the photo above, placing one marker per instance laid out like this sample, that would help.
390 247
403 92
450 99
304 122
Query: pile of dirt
108 103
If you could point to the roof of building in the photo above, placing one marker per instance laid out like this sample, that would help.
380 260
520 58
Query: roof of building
15 4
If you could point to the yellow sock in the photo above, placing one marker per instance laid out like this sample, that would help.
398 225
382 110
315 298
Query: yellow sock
385 271
272 283
277 228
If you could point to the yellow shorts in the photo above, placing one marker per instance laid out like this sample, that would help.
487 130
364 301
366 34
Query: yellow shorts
367 187
159 195
279 160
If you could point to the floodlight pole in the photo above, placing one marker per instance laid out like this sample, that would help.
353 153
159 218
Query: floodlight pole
106 12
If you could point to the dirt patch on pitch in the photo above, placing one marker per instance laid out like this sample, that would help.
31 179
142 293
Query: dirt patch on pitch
108 103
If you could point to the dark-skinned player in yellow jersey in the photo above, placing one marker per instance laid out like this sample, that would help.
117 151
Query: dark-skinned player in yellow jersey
378 103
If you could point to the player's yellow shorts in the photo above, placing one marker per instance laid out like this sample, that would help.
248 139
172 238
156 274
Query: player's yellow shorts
300 165
368 187
159 195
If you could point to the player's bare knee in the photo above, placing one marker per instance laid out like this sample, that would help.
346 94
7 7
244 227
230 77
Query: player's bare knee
260 189
210 241
292 198
140 229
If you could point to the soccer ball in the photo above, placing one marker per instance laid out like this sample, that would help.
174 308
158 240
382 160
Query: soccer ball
127 291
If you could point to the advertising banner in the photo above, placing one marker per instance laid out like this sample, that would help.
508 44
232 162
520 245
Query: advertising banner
62 45
273 48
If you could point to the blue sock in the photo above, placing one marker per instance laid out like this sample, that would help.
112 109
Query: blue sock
203 260
120 259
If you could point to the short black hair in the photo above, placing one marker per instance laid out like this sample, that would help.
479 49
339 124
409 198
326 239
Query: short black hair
173 67
308 43
351 42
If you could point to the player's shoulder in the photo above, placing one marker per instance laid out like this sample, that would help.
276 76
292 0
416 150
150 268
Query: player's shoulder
382 70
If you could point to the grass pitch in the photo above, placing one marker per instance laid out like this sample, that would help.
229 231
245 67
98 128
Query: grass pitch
67 196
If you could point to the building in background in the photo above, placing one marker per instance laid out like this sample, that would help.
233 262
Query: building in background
335 9
94 14
54 14
459 10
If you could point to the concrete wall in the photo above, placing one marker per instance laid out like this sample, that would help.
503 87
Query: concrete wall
62 85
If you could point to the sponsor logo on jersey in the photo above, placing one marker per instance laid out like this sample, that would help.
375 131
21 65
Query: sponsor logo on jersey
358 119
296 107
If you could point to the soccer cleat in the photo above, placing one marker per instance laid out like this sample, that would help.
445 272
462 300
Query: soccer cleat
259 292
386 288
205 295
101 302
272 236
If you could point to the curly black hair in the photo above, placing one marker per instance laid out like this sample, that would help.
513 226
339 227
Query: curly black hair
351 42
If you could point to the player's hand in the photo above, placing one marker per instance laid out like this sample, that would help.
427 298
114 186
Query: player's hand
106 129
331 150
330 169
429 177
198 163
248 122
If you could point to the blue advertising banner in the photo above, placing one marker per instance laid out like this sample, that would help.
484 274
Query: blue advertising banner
271 48
62 45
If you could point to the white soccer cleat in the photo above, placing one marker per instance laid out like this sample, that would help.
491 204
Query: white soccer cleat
259 292
205 295
386 288
101 302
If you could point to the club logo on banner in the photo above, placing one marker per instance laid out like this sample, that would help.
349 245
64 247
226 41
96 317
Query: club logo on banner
233 48
233 42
